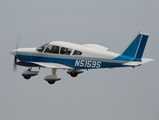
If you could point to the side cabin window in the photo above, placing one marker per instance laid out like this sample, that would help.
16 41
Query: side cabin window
52 49
65 51
76 52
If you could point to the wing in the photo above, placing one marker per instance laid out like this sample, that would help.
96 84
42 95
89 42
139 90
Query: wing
52 65
144 60
43 64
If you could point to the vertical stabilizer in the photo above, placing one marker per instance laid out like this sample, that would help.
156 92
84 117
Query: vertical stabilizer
136 48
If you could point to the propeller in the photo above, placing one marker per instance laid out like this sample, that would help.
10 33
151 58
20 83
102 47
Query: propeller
14 65
15 58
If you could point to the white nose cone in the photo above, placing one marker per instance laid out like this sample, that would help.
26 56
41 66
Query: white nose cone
13 52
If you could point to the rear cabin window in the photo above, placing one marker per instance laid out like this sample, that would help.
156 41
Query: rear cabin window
52 49
76 52
65 51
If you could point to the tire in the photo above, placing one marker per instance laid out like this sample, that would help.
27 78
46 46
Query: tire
73 74
51 82
27 77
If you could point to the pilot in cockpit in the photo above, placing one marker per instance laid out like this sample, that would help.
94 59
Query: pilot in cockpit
55 49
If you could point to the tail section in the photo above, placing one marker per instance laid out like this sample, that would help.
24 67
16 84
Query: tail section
136 48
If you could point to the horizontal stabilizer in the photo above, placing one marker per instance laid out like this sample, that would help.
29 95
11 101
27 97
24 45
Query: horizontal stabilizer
133 64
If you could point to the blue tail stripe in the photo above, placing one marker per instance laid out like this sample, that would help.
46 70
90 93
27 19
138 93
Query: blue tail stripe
132 48
142 47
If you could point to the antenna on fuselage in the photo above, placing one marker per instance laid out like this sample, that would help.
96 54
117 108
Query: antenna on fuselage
89 41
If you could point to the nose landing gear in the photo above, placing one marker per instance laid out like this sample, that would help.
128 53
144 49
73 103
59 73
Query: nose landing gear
28 74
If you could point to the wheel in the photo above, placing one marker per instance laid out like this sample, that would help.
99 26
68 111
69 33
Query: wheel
27 77
73 74
51 82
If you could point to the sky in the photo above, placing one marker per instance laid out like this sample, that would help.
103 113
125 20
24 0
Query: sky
104 94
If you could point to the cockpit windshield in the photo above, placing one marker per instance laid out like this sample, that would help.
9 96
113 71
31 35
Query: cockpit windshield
41 48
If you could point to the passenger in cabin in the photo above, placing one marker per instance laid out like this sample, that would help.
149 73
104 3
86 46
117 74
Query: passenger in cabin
62 50
65 51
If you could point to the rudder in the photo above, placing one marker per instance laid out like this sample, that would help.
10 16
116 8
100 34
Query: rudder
141 47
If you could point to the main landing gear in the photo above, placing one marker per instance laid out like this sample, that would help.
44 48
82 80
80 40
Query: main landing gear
51 79
51 82
27 77
74 73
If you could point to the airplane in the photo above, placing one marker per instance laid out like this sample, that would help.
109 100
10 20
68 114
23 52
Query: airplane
76 57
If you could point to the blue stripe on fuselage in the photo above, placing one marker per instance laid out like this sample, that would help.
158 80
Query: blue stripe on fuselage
76 62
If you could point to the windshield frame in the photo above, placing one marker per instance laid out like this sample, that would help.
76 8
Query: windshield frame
42 48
